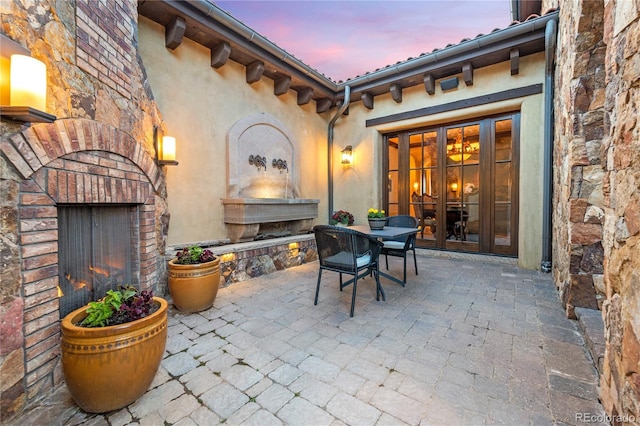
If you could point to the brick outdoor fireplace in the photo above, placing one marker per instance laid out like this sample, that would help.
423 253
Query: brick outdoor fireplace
72 163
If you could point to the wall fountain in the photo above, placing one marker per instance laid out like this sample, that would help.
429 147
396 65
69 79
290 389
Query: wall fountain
263 198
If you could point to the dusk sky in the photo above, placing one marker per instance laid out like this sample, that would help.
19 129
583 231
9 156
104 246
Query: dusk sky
344 39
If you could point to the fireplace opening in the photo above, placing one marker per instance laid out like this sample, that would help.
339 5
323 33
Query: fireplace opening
97 251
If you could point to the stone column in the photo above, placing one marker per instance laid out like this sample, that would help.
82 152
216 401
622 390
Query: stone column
579 200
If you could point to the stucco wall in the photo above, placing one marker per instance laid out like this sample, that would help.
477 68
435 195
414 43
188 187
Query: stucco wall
200 105
367 142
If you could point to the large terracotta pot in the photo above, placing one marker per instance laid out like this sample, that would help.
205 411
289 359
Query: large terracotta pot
108 368
194 287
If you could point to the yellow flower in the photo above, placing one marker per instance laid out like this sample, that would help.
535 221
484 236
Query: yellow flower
375 213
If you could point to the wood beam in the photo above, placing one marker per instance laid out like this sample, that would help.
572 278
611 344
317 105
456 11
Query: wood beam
396 92
174 32
514 55
220 54
281 85
323 105
367 100
467 73
429 84
254 71
304 95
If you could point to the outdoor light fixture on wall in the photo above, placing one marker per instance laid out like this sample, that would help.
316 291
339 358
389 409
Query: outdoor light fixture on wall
347 155
23 84
165 148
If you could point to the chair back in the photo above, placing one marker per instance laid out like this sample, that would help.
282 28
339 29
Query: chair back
340 247
403 221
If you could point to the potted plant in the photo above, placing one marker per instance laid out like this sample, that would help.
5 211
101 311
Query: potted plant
377 218
194 279
341 217
111 349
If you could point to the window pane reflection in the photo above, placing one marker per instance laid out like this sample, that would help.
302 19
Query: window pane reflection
502 223
503 182
503 140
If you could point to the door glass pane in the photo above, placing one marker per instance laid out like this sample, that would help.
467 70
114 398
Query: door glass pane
392 177
471 201
424 181
463 145
503 185
415 163
392 185
503 140
393 153
503 182
503 224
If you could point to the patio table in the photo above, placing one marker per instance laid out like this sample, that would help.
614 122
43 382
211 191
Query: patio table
389 233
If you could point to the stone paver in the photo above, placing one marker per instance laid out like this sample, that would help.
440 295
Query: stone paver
471 340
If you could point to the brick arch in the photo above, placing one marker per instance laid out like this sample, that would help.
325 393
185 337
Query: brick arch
41 144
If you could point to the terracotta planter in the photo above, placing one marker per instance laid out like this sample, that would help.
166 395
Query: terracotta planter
194 287
108 368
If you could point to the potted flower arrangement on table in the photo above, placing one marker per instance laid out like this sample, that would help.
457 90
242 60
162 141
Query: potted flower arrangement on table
111 349
342 217
194 279
377 218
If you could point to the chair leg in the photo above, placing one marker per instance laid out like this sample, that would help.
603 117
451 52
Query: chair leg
415 262
404 269
353 297
318 287
340 281
379 290
386 261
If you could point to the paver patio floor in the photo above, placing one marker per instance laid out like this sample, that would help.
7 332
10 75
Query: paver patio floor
465 342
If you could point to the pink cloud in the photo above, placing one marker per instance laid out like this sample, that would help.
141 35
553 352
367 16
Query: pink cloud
349 38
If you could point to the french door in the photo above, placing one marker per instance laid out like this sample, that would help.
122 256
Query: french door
461 182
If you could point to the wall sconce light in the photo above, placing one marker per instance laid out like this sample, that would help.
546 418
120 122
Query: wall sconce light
165 147
347 155
454 186
23 84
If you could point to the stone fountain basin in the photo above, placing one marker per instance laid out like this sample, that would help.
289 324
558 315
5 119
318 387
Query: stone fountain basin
243 216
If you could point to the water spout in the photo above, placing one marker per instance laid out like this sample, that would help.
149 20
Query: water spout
280 164
258 161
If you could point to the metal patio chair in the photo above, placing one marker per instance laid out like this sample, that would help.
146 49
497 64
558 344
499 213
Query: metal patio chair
350 252
400 246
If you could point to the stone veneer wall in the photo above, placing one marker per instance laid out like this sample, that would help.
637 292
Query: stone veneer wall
597 183
104 144
620 379
578 156
265 257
